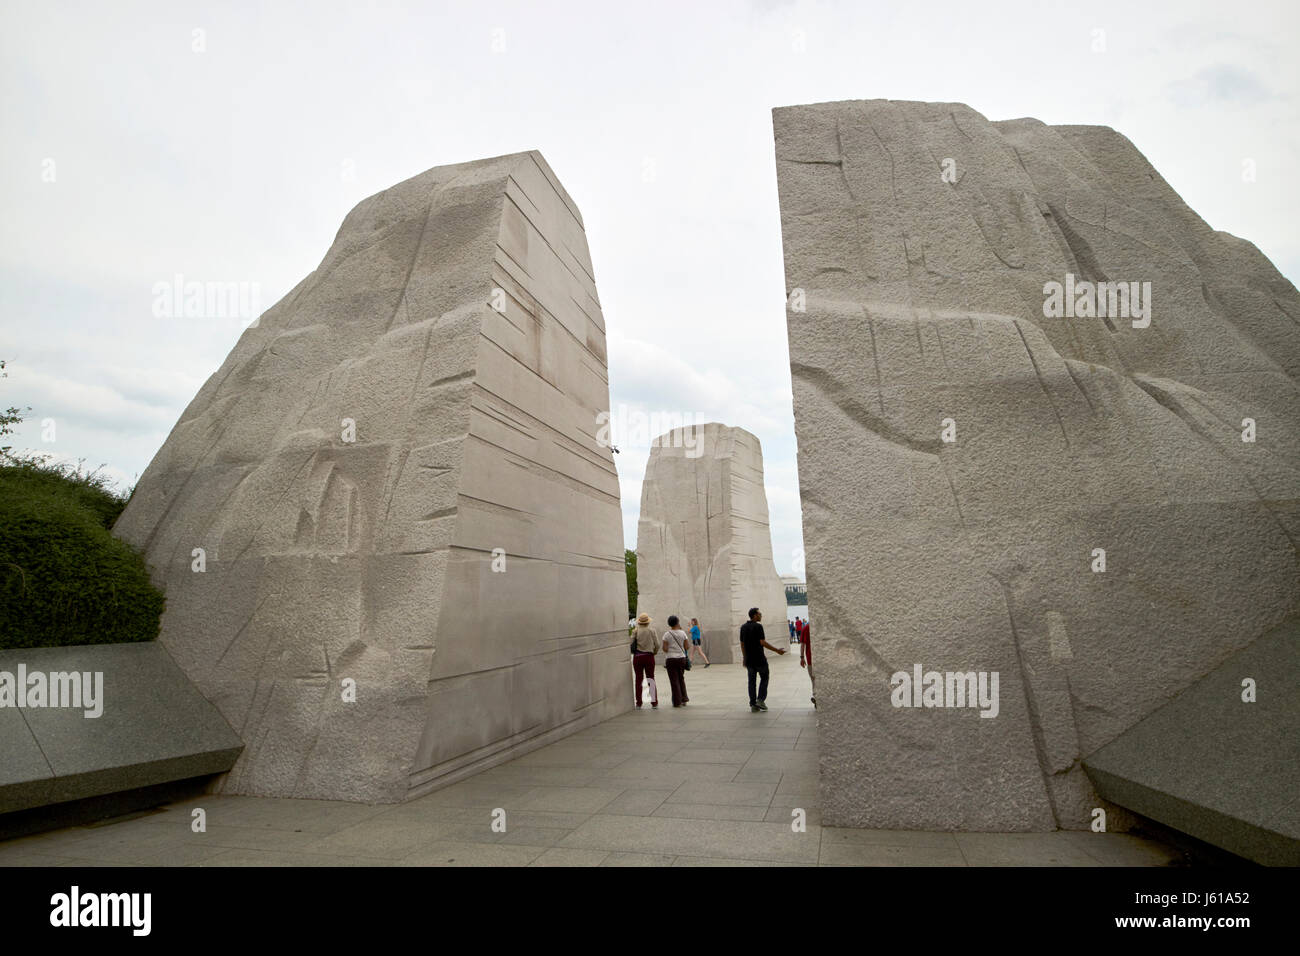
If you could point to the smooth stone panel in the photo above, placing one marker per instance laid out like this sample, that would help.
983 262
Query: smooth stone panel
25 775
1217 767
155 727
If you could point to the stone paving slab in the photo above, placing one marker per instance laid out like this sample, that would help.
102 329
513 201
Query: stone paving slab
1122 849
280 858
724 839
1022 849
880 854
562 856
636 859
710 811
650 788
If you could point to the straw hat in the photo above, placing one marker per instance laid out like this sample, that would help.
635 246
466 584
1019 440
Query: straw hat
643 618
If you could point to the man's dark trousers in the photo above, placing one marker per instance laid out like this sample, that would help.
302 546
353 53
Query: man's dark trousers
759 670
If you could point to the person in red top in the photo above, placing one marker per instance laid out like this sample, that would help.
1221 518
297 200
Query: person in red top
805 656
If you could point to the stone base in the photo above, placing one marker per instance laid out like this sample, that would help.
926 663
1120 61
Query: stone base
155 728
1213 766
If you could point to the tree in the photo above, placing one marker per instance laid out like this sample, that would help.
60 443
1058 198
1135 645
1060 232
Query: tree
629 562
8 418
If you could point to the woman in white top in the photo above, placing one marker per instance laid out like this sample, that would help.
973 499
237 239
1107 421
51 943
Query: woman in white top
676 646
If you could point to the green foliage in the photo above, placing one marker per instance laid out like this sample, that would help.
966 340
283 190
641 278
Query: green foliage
37 475
629 561
8 418
64 578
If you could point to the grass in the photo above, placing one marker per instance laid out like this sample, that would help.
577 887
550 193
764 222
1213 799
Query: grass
64 578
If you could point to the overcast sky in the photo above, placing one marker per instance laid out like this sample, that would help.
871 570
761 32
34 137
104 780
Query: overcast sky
238 162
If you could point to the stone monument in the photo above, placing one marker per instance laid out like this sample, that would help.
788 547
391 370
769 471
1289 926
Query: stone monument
703 545
390 540
1049 453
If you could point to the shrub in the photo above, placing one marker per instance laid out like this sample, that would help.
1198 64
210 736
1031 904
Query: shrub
64 578
89 489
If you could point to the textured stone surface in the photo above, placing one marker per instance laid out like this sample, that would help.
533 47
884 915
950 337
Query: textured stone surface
924 302
155 727
372 559
703 545
1212 765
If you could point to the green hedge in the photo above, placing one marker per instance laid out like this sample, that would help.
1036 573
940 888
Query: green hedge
64 578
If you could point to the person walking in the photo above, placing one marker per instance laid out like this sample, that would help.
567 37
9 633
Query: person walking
645 645
696 644
805 654
792 637
676 647
752 642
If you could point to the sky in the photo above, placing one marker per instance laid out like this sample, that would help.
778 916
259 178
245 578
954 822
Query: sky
225 142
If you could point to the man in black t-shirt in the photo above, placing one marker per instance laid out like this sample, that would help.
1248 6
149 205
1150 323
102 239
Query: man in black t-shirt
752 642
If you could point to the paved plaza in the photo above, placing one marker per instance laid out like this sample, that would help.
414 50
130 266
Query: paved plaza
707 784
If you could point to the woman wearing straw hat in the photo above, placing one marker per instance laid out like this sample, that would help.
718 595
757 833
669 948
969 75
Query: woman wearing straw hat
645 645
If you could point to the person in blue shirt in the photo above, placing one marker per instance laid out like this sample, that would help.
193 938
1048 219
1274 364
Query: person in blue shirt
695 641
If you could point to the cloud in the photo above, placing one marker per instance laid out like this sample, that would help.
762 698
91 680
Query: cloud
102 407
1222 83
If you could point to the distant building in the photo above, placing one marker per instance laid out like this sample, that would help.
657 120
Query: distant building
796 591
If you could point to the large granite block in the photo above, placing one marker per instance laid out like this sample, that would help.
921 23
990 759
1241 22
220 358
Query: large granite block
458 557
964 453
154 727
704 547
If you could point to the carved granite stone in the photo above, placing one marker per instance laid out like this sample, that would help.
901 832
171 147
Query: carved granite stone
974 433
704 548
390 540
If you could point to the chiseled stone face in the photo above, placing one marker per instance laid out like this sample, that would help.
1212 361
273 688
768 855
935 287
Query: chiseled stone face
400 497
704 548
969 445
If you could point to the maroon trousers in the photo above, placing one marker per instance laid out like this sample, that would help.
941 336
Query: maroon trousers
677 679
643 665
